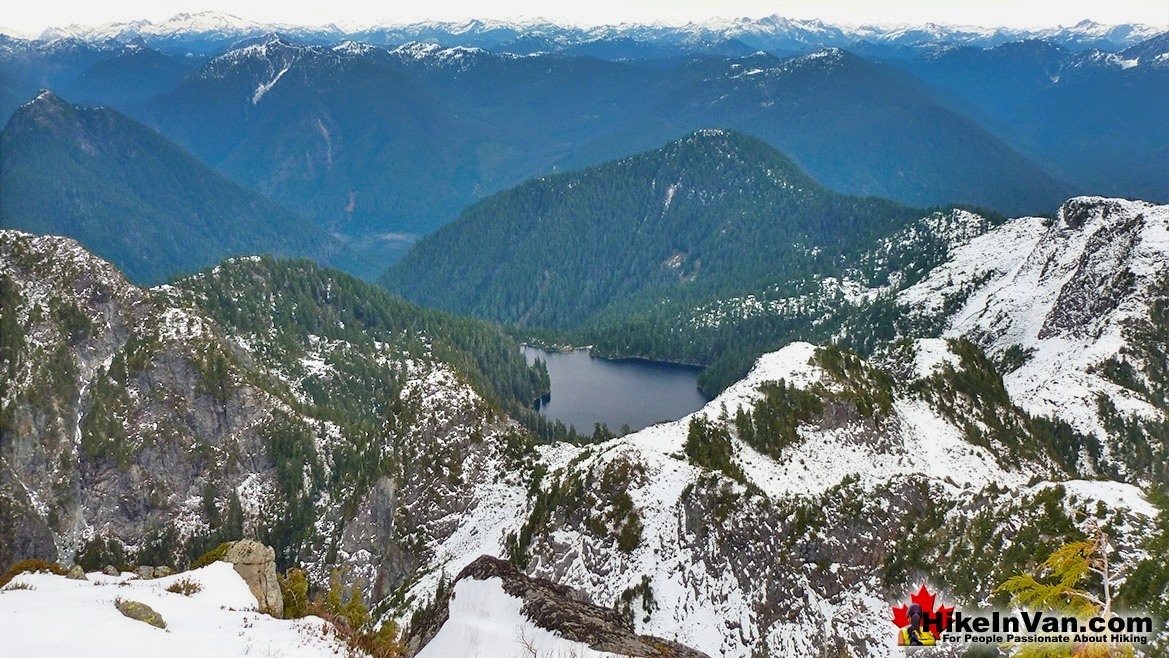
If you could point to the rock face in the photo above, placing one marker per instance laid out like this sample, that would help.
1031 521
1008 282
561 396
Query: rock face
560 609
256 564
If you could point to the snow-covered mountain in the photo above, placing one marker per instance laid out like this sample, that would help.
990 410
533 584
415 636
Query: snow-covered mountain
208 30
1076 307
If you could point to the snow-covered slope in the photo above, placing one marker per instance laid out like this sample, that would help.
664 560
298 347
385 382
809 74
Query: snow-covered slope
47 615
763 563
785 518
1069 297
486 618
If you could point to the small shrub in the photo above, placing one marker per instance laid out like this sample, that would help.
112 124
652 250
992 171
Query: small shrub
351 622
185 586
214 555
31 566
294 589
16 585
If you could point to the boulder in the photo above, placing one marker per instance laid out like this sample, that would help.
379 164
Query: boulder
140 612
145 572
76 573
111 570
256 564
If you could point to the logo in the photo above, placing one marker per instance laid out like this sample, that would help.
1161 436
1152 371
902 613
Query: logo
919 622
925 622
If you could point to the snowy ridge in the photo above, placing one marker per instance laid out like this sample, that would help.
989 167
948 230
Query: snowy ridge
1060 291
699 599
768 33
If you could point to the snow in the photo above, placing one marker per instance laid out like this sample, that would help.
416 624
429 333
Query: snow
931 356
1115 495
1013 278
265 87
487 622
62 617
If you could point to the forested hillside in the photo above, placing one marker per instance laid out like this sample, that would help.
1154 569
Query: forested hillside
134 198
616 254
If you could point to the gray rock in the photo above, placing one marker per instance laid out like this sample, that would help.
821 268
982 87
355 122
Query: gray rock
163 572
111 570
76 573
256 564
140 612
145 572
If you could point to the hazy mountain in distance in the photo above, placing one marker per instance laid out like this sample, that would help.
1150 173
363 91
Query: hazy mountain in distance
128 194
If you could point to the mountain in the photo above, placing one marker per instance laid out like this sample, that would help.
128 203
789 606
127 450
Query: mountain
129 77
790 514
1072 307
856 127
340 136
29 66
1094 117
382 147
650 256
711 212
129 194
144 425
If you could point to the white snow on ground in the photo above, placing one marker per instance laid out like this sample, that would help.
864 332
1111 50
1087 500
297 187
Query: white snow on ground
932 354
62 617
487 622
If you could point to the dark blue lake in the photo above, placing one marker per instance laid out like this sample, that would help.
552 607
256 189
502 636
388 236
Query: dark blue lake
630 392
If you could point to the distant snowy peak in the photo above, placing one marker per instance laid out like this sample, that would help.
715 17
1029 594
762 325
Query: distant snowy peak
774 33
202 24
433 54
264 57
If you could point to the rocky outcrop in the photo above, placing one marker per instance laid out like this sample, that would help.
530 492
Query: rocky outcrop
256 564
559 609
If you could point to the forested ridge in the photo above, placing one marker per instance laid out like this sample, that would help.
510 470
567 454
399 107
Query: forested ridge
622 255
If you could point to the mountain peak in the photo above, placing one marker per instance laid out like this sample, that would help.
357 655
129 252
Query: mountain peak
45 104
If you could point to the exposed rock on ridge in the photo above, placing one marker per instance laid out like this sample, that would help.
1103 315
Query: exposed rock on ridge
560 609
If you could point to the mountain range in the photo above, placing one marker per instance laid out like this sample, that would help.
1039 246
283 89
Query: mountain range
929 310
209 31
380 146
1028 402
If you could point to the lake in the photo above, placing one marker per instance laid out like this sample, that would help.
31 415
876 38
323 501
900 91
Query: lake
630 392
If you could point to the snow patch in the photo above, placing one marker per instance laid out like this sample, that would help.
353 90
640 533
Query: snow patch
265 87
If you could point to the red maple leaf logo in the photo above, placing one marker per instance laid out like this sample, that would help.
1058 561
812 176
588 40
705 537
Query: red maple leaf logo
937 620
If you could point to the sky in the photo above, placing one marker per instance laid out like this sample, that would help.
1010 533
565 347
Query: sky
31 18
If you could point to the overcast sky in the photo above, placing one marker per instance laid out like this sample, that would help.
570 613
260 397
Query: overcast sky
32 16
